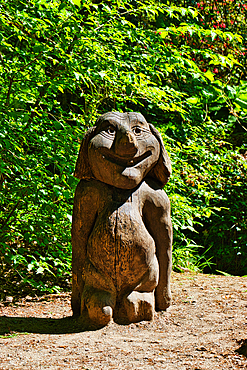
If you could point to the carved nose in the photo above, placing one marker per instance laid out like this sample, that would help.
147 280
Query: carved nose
126 144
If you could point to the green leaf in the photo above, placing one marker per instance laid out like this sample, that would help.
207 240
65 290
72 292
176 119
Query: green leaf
76 2
209 75
193 100
40 270
242 103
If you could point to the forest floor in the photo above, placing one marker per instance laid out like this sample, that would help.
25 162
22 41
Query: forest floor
204 329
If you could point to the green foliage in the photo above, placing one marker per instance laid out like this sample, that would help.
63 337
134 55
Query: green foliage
37 195
62 63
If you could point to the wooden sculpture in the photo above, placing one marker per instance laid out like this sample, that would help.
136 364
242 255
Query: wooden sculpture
121 229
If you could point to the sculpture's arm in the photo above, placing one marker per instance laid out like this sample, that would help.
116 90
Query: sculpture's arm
157 219
84 215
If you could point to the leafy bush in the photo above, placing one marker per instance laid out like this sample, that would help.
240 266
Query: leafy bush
65 62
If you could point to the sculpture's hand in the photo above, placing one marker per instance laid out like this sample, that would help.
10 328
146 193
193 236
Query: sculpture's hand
156 212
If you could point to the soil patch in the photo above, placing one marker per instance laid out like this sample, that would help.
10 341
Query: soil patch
204 329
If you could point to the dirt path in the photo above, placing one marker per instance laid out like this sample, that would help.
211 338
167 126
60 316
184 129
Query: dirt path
202 330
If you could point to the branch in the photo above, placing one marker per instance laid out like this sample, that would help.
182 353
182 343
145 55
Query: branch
32 61
9 90
11 213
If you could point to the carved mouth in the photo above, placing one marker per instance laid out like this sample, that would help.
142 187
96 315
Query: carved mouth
126 162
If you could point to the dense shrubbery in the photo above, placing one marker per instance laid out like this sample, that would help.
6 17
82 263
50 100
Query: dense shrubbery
65 62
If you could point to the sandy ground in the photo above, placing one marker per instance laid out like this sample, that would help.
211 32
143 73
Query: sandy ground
204 329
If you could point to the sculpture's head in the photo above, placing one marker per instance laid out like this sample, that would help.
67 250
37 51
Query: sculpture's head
121 149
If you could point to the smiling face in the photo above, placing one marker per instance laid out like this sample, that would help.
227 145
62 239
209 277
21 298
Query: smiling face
123 149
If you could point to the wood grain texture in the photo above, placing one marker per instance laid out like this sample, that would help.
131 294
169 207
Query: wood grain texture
121 229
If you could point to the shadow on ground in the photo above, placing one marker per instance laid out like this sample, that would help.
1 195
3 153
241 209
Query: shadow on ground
67 325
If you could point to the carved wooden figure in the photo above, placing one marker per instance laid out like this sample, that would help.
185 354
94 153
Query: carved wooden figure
121 229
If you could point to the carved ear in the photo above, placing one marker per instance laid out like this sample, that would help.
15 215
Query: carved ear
82 167
161 172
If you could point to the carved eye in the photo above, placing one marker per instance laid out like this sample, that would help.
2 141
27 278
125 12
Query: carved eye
137 130
110 130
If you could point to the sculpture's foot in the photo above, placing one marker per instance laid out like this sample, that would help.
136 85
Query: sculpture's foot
100 316
162 299
135 307
99 305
